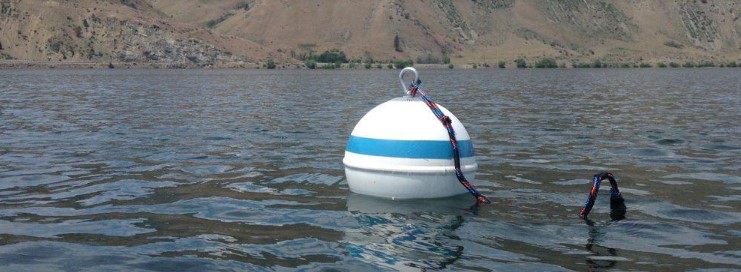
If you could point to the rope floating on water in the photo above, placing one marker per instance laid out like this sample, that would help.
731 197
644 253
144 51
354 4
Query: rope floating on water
445 120
617 203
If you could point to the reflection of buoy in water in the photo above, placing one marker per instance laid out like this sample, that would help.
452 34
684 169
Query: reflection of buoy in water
400 150
405 235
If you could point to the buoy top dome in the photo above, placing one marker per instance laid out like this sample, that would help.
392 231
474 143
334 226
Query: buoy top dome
406 118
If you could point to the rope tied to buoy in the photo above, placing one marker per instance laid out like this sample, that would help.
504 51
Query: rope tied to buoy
414 89
617 203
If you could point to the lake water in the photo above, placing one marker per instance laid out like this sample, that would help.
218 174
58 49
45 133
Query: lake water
205 170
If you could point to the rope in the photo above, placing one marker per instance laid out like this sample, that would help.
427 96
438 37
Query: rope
617 203
447 122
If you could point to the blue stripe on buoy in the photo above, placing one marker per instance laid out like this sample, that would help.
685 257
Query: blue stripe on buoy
413 149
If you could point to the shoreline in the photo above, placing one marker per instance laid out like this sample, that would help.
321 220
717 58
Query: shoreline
30 64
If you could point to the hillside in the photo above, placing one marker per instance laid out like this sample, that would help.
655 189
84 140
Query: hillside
128 32
245 33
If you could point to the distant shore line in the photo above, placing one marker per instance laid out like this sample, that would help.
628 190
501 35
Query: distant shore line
517 64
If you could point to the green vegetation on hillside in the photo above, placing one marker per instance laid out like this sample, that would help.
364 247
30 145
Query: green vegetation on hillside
400 64
546 63
521 63
333 56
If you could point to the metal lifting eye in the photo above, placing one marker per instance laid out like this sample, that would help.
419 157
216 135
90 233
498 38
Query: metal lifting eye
404 86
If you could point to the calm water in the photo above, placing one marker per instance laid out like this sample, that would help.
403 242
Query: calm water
179 170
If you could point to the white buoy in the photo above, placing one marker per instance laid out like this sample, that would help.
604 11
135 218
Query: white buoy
400 150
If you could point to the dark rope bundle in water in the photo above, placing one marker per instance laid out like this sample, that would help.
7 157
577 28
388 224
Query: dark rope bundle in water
445 120
617 203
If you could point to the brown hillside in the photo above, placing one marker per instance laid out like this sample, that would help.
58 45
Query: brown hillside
129 31
239 32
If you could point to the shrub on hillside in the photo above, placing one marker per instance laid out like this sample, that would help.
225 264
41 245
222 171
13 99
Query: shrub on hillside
521 63
581 65
546 63
333 56
673 44
270 64
706 64
397 44
242 5
310 63
212 23
401 64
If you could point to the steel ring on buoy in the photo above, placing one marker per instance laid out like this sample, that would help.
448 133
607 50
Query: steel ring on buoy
404 86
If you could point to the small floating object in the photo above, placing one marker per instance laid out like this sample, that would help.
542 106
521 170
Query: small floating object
617 203
400 150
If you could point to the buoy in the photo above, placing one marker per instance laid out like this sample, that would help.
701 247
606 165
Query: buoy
400 150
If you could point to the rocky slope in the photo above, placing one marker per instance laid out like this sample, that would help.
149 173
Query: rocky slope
125 32
248 32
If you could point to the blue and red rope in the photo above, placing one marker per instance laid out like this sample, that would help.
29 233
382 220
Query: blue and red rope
617 203
447 122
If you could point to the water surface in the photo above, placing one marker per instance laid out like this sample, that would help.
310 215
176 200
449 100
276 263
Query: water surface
201 170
